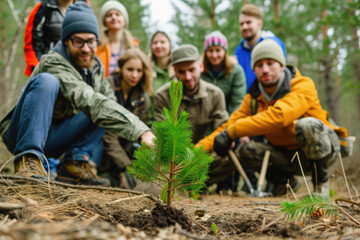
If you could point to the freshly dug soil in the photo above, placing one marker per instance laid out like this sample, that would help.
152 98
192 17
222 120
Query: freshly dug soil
51 211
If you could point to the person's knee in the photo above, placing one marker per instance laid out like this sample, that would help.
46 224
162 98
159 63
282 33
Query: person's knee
315 138
252 153
46 82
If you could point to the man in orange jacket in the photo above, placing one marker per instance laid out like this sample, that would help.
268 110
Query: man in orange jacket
283 106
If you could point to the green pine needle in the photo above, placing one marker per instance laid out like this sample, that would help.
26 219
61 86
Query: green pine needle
174 163
296 211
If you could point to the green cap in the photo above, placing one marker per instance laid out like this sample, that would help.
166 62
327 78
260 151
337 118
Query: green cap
185 53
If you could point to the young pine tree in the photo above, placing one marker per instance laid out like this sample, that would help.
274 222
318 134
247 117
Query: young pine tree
173 164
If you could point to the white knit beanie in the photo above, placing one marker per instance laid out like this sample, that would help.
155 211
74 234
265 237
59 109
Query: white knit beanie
113 4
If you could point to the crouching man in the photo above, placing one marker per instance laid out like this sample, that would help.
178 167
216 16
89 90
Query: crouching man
283 106
66 106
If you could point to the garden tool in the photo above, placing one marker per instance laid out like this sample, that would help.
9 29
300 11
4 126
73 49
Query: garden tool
242 172
259 192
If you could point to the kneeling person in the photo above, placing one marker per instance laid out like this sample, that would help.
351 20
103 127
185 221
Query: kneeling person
283 106
66 106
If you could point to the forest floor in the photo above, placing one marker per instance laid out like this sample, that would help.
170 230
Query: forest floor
31 209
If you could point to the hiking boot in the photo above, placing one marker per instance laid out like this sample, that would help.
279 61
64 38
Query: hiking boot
29 165
281 189
323 188
79 172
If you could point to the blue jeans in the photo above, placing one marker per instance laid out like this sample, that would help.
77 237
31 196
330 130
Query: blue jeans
32 129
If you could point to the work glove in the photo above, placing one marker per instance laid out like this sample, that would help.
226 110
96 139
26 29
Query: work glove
222 143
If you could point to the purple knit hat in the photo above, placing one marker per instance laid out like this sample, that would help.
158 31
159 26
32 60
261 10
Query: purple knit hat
215 39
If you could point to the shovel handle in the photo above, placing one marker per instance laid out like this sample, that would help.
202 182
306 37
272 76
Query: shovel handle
237 164
264 167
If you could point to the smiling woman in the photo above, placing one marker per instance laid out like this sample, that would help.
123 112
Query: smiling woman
132 85
223 71
116 38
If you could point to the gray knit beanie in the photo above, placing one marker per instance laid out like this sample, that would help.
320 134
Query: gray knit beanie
113 4
267 49
79 18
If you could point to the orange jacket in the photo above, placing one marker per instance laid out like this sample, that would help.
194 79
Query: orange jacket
276 120
104 54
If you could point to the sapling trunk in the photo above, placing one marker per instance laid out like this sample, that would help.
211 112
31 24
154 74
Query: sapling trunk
174 164
169 191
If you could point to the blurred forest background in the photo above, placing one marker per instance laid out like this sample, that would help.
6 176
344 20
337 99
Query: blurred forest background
321 39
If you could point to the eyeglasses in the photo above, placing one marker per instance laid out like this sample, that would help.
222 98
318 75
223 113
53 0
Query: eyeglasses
79 43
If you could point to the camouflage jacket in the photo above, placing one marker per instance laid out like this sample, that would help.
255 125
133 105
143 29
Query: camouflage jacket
89 93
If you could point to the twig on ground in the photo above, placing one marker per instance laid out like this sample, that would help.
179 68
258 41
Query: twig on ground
346 200
302 171
10 206
263 223
316 225
79 186
347 185
350 217
292 191
128 198
199 224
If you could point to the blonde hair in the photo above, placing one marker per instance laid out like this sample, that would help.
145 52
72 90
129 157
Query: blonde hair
146 80
226 62
252 10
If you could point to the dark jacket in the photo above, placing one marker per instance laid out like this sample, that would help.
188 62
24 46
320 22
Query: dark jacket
118 151
42 31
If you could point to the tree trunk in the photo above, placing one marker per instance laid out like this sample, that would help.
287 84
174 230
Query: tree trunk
356 53
332 99
277 14
3 57
212 14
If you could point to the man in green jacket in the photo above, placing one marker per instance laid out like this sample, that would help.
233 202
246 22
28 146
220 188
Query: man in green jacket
204 102
66 106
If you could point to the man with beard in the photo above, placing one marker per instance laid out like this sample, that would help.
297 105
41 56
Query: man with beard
66 106
250 21
283 106
204 102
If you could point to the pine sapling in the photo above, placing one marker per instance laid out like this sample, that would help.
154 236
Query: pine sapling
295 211
173 163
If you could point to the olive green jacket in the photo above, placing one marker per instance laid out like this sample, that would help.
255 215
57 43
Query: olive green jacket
206 109
233 86
96 99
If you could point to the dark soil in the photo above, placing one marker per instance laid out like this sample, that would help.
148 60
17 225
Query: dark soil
64 213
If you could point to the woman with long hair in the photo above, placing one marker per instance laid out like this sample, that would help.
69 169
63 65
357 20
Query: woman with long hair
223 71
161 58
116 38
132 85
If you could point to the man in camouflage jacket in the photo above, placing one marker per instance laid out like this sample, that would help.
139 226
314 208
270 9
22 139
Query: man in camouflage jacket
66 106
